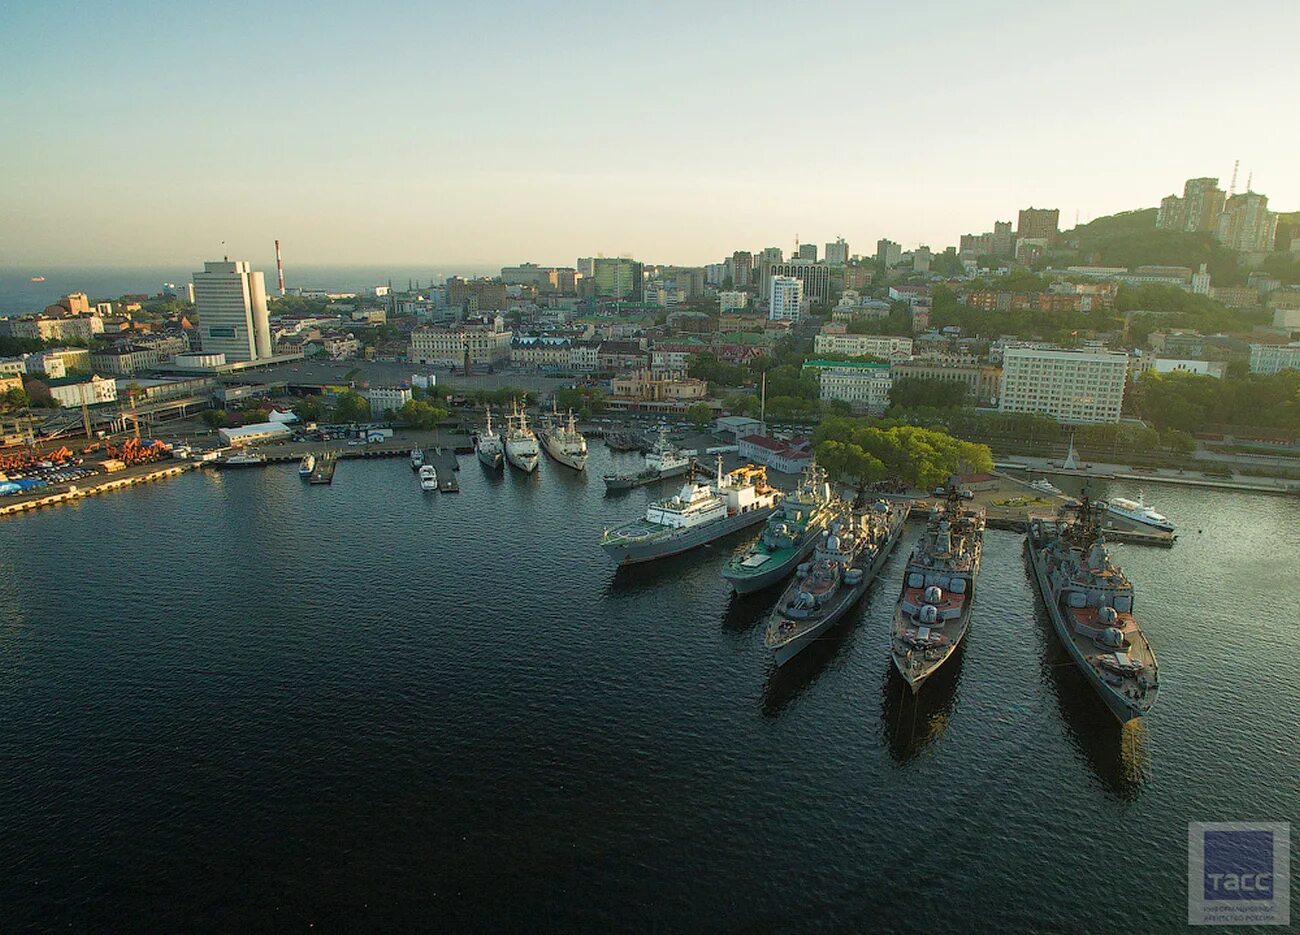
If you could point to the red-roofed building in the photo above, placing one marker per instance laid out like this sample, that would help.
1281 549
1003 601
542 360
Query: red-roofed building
788 457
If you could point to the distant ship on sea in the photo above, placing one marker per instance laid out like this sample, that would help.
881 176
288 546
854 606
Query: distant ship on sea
37 279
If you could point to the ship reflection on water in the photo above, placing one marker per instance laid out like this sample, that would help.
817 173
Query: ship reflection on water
912 722
787 682
1116 753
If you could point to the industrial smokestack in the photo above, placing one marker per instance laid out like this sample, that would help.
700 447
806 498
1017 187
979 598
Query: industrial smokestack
279 266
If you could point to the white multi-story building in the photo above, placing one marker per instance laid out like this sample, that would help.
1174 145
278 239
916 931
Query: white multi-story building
836 340
383 398
1071 386
862 384
231 303
488 343
837 254
727 301
584 356
73 394
1274 358
786 301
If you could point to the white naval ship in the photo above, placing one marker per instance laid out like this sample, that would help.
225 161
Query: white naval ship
520 443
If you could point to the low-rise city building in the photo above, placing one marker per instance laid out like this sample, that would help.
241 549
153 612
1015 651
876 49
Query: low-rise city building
487 343
834 338
73 392
864 385
1274 358
788 457
384 398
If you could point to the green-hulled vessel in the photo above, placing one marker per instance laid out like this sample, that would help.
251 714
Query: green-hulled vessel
788 538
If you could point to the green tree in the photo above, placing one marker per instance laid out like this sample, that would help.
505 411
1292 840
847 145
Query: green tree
699 415
351 407
420 414
742 404
914 392
310 408
584 400
15 398
215 418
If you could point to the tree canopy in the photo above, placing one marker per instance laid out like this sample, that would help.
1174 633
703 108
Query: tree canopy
856 450
914 392
1192 402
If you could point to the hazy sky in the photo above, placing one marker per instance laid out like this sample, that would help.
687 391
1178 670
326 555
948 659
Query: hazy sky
491 132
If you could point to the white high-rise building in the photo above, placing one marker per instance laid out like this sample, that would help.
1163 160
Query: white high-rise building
231 303
1071 386
787 299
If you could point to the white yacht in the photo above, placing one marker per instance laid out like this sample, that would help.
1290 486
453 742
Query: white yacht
1137 511
521 444
487 444
428 477
307 465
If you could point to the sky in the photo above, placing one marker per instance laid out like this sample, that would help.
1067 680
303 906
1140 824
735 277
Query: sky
492 133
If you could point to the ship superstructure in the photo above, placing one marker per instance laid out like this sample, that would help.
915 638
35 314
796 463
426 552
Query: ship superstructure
1090 602
790 535
934 608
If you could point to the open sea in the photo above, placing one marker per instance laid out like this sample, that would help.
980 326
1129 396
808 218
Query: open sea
234 701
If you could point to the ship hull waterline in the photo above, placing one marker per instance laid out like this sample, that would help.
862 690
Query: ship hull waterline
647 550
748 584
1121 709
805 638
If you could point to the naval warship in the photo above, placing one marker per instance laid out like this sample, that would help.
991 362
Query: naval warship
934 608
791 533
850 553
1090 602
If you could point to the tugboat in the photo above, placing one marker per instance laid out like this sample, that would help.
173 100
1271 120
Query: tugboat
417 458
1090 602
699 513
661 462
934 608
850 553
791 533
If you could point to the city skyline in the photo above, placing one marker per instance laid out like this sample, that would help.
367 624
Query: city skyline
499 139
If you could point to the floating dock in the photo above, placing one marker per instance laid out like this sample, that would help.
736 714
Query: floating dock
444 462
323 472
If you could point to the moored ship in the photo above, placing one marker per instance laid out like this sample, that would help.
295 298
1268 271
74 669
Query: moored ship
661 462
428 478
242 459
1090 602
934 608
417 458
307 465
849 554
487 444
520 442
700 512
791 533
563 442
1138 511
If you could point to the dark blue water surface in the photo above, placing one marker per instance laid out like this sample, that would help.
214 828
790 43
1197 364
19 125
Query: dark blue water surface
235 700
